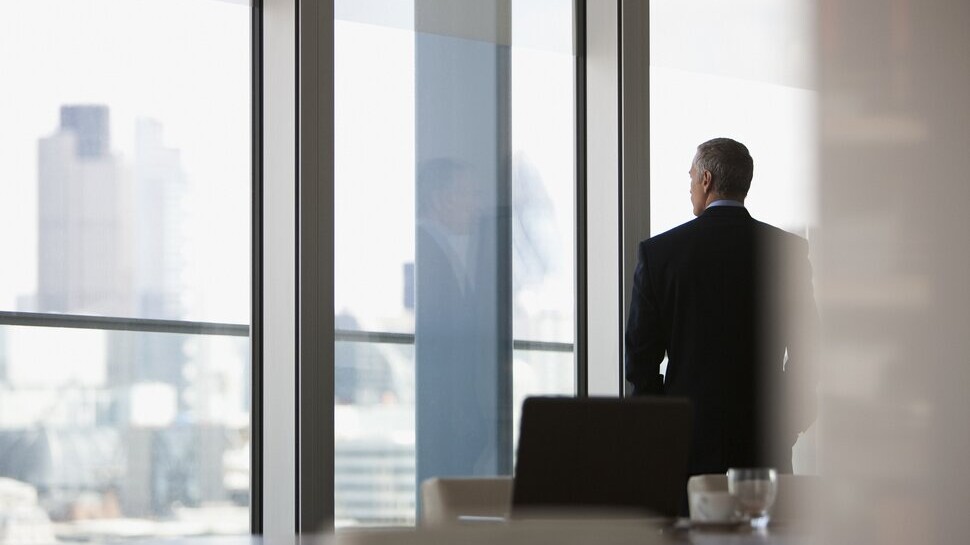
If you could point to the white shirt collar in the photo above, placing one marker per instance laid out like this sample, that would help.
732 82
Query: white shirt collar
726 202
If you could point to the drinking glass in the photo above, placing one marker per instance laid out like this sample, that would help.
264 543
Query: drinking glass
755 490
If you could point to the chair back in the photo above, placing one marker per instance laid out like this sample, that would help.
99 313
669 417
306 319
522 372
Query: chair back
446 500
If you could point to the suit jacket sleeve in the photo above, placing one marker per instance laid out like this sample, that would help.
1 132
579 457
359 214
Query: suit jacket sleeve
646 340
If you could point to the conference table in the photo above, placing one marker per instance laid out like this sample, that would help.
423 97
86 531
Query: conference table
560 532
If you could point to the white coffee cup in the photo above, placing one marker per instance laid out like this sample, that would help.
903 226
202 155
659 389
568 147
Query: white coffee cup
713 506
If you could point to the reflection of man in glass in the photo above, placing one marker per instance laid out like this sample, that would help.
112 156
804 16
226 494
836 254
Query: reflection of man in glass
456 337
728 299
447 216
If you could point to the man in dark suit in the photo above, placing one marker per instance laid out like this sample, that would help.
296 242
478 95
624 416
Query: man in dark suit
728 299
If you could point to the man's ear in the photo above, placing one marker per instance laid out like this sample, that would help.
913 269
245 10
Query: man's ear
707 182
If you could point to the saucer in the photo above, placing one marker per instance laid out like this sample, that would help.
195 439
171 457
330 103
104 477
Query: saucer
709 525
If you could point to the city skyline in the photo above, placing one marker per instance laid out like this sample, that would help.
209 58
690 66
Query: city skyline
151 418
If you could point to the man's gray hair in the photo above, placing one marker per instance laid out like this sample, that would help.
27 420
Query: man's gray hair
730 165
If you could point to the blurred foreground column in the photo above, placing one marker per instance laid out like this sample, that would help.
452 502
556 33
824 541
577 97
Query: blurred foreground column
894 269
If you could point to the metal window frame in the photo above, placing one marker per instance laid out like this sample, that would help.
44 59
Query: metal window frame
256 275
634 119
580 225
315 248
116 323
602 199
297 266
297 261
277 263
617 71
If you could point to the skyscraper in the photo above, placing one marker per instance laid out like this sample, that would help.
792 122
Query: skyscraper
83 194
90 125
108 242
159 195
159 191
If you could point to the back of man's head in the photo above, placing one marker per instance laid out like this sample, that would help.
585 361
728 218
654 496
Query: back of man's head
730 165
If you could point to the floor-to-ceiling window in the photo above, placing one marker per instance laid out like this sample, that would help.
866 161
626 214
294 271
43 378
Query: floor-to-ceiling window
454 239
743 70
125 287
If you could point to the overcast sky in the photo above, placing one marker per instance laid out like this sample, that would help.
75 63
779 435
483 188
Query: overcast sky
184 63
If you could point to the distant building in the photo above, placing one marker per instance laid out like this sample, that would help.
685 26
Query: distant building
157 212
89 123
110 244
159 195
84 259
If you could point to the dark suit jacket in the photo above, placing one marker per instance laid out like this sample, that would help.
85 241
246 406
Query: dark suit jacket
724 297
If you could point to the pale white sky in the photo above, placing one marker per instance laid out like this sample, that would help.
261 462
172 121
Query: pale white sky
740 69
775 122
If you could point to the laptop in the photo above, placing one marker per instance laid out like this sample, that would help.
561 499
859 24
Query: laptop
602 455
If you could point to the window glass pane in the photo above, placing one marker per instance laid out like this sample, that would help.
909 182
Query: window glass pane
125 204
374 172
752 81
543 170
454 238
540 372
126 145
374 442
120 434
